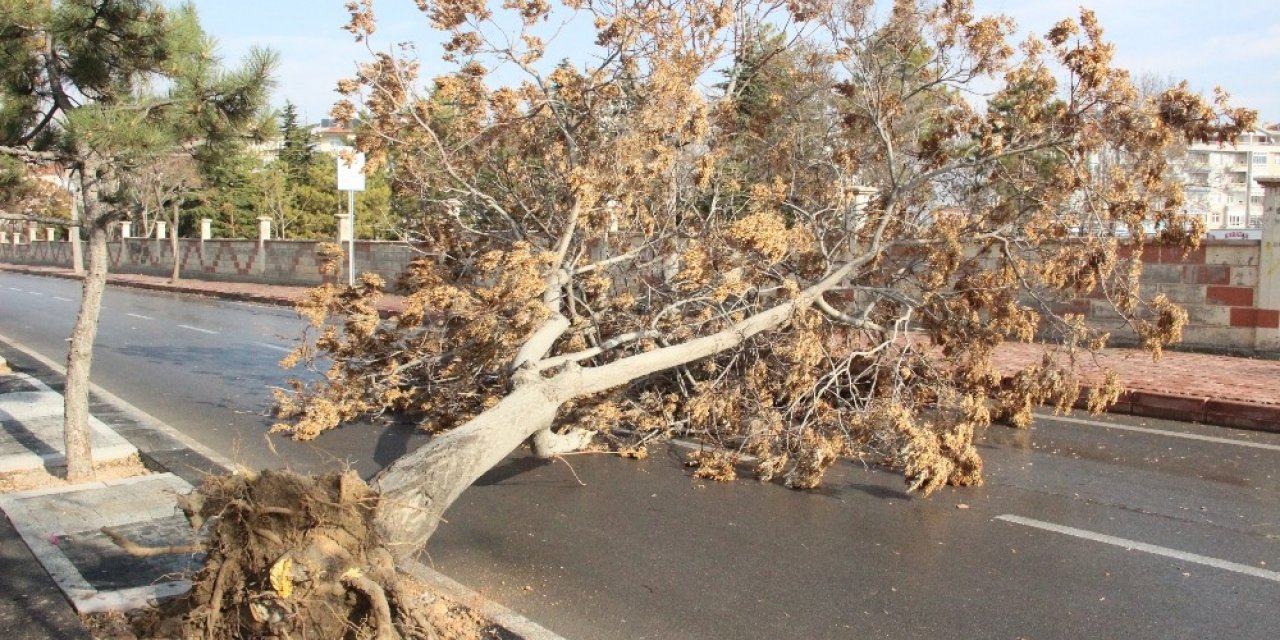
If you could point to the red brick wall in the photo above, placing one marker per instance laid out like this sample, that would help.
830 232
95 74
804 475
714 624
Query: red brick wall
1218 286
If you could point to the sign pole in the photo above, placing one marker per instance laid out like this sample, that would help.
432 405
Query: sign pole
351 238
351 179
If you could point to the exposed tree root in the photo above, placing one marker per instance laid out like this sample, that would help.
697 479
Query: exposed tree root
134 549
292 556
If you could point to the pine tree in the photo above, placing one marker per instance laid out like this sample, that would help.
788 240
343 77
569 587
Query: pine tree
75 78
298 150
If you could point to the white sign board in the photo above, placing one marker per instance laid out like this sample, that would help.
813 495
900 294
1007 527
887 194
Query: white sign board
350 171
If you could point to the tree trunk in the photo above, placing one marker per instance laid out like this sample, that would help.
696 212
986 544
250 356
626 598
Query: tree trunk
77 250
76 432
173 244
418 487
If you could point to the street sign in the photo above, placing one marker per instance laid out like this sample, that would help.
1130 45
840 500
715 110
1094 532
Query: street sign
350 170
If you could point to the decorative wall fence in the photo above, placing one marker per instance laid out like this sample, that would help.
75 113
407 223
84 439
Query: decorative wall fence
291 262
1222 287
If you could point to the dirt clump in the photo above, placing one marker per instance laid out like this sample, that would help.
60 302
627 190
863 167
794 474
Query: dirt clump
42 478
292 556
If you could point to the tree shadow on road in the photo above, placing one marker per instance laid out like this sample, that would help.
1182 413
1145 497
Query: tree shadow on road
512 468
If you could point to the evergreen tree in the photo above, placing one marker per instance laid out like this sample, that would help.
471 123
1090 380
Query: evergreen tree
298 151
74 92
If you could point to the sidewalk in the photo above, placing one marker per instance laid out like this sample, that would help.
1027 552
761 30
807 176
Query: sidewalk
53 559
1220 390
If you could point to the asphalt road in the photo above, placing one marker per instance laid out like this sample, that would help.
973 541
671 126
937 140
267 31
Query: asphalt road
1103 528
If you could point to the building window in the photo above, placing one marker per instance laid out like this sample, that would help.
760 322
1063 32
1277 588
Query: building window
1255 200
1255 222
1259 159
1217 217
1234 220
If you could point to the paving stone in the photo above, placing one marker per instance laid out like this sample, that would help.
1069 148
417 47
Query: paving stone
61 527
106 567
31 428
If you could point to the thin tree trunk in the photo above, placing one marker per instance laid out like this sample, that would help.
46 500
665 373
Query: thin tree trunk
76 434
173 244
77 250
73 236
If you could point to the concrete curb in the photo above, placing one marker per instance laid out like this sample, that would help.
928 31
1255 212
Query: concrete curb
1202 409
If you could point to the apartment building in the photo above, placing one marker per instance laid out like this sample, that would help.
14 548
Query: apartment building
330 138
1221 180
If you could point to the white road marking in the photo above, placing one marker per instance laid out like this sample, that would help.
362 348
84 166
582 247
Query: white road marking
1135 545
63 299
212 333
134 315
35 293
14 289
267 345
1161 432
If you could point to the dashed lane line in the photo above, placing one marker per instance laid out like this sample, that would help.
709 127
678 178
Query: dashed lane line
35 293
276 347
185 326
62 299
1162 432
142 317
1135 545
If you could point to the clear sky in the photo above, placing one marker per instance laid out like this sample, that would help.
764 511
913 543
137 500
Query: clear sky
1231 43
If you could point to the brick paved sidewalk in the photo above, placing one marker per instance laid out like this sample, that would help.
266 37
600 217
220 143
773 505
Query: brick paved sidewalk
1213 389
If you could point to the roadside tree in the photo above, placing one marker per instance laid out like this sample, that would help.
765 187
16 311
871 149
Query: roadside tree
76 92
161 186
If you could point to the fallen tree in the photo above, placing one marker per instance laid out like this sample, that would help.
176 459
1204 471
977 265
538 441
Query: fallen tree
814 258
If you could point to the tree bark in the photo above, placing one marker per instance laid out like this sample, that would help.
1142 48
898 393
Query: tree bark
173 244
417 488
76 434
